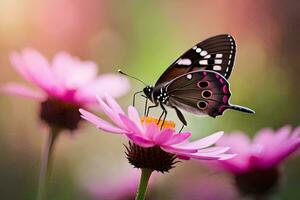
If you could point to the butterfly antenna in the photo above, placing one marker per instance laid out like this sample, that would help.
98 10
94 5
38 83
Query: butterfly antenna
121 72
240 108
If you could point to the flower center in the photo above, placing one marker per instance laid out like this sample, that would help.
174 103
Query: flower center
258 182
59 114
165 125
150 158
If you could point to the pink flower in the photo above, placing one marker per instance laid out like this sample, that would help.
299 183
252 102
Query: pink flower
66 78
268 149
64 85
256 167
145 134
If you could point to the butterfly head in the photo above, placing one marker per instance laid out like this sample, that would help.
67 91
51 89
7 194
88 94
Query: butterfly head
148 90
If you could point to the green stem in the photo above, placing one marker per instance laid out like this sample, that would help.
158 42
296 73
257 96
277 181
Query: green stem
45 163
145 176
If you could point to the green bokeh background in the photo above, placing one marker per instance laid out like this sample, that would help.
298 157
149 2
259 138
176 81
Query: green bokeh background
143 38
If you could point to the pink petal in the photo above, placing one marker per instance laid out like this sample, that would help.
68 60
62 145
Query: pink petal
209 156
283 153
143 142
205 142
113 104
214 150
283 133
178 138
151 130
238 142
101 124
112 115
177 150
35 68
296 133
71 72
134 116
182 157
17 63
164 136
200 156
20 90
264 136
112 84
227 156
130 124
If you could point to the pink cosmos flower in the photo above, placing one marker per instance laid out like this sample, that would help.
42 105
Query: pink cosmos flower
256 167
145 133
268 149
65 85
66 78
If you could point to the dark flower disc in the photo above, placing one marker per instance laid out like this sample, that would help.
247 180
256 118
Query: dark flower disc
60 114
258 182
150 158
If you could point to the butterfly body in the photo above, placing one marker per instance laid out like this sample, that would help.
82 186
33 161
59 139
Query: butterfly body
197 81
157 95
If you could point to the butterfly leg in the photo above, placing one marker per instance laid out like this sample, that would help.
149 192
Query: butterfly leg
164 113
134 96
181 128
180 116
148 109
146 105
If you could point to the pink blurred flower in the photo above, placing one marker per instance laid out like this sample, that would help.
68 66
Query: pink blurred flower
64 85
256 167
66 78
268 149
145 134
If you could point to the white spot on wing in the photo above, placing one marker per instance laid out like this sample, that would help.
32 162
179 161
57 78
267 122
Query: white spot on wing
189 76
194 47
218 61
208 56
198 50
219 55
217 67
203 53
203 62
184 61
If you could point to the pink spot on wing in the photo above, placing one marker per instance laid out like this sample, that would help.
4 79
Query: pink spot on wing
225 89
217 75
221 80
221 109
225 99
204 73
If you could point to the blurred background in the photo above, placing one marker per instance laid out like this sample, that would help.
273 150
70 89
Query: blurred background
144 38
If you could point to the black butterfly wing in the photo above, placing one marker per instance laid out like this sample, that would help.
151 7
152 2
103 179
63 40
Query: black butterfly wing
216 53
201 92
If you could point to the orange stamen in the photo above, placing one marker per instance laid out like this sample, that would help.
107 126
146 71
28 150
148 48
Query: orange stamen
166 124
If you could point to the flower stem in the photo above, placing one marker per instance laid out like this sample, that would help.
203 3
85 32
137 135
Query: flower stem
145 176
45 163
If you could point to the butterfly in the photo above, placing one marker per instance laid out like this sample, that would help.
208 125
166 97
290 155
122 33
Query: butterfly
197 81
